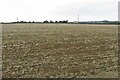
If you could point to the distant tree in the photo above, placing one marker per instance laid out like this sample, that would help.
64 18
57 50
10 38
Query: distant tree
56 21
46 21
22 21
51 21
60 21
65 21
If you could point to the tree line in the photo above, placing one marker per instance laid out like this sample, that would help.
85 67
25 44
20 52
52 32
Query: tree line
64 21
46 21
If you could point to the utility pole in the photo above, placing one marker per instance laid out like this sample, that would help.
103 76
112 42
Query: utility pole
17 19
78 18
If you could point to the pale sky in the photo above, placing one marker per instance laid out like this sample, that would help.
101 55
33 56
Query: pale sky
40 10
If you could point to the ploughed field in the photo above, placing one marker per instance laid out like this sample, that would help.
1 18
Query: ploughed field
59 51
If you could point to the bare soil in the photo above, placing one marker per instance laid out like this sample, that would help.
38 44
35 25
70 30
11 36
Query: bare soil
59 51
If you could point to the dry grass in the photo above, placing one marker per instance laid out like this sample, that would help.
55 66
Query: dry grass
59 50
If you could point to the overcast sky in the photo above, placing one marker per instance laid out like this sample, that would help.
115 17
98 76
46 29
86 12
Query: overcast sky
40 10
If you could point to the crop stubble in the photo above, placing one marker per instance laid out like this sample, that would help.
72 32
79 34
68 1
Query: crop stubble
59 50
